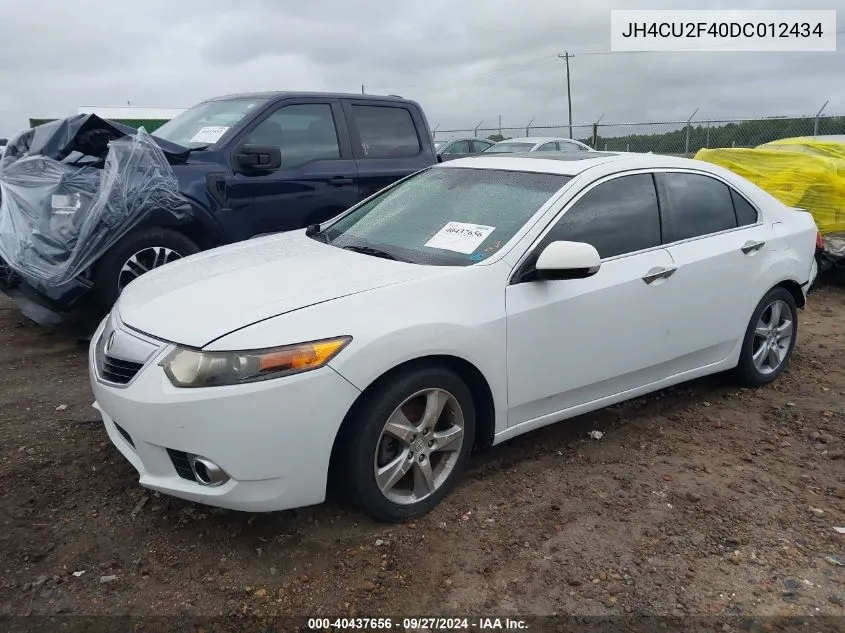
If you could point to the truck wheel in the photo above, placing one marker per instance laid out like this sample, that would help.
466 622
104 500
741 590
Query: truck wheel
132 256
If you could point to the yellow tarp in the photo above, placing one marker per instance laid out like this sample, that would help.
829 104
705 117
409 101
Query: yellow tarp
800 172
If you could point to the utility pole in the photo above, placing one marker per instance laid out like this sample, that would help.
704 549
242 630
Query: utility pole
362 88
566 55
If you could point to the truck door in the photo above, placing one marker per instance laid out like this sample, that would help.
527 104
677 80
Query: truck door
386 141
318 177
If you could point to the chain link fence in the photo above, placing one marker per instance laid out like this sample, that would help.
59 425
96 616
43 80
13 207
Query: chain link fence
680 138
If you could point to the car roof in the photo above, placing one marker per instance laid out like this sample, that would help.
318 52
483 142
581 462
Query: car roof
307 95
536 139
572 163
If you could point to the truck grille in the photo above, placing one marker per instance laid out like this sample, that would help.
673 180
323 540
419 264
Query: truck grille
119 371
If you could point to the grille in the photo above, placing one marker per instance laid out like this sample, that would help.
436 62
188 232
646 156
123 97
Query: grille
119 371
125 434
181 464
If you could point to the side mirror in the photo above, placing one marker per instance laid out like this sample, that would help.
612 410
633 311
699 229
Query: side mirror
567 260
259 157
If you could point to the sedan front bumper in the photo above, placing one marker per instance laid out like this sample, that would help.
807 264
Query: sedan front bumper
273 438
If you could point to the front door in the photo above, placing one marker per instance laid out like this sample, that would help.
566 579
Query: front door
571 342
318 178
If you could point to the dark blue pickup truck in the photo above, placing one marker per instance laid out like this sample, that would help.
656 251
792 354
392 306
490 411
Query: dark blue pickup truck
252 164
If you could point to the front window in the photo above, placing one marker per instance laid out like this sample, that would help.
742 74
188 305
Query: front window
509 148
445 216
206 123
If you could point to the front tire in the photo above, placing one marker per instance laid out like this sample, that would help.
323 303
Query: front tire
133 255
769 338
410 443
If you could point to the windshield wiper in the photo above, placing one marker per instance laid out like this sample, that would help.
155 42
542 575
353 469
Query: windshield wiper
375 252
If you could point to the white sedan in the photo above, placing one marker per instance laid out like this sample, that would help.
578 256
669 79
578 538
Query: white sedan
537 144
465 305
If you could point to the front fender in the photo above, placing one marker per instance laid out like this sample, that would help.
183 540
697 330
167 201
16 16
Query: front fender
396 324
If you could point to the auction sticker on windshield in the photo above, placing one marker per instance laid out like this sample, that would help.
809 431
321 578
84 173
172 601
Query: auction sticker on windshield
210 134
460 237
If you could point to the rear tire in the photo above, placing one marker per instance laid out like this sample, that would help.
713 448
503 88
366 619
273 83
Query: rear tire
769 339
150 248
400 471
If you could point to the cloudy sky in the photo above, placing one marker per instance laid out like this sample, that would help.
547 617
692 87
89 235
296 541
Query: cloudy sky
464 60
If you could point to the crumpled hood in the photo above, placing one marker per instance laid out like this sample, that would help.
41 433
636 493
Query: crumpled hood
203 297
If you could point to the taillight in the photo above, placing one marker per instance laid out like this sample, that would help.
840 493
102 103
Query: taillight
819 241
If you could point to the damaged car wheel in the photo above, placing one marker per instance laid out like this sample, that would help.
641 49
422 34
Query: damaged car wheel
134 255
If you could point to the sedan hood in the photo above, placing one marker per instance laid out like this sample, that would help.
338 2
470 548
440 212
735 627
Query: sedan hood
201 298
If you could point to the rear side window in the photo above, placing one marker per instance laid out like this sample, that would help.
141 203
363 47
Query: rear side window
570 147
458 147
480 146
386 132
694 205
617 217
745 213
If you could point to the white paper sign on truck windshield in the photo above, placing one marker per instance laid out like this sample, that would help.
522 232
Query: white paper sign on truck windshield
210 134
460 237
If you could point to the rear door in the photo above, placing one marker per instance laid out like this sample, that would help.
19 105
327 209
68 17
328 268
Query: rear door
318 178
386 142
718 243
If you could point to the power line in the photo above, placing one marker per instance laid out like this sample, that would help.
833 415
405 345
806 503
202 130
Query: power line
501 73
498 73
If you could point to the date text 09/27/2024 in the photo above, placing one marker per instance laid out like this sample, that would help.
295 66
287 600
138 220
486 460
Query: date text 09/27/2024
415 623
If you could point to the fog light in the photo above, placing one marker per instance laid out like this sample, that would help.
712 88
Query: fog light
207 473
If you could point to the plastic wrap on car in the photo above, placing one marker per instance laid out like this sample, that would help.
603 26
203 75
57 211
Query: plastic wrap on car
800 173
57 219
81 137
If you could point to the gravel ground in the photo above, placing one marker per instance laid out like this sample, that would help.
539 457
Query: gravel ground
704 499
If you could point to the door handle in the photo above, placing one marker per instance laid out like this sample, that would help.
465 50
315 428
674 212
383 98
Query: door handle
340 180
751 247
658 273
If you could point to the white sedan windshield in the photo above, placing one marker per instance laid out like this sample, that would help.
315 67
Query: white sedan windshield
445 216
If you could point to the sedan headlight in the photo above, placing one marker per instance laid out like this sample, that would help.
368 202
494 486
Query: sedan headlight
192 368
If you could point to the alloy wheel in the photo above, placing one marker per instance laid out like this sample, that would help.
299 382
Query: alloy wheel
419 446
772 337
144 261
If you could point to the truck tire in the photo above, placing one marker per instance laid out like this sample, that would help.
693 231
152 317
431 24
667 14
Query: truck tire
133 255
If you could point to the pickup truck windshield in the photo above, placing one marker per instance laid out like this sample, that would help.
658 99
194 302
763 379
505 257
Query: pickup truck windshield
206 123
445 216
